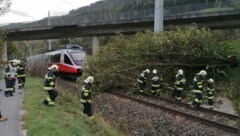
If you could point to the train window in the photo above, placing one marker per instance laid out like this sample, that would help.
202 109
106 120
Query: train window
56 58
67 60
78 57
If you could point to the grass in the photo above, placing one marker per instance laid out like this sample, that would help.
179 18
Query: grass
64 119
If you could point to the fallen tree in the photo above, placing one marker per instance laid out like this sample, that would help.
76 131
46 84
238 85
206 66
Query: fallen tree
120 62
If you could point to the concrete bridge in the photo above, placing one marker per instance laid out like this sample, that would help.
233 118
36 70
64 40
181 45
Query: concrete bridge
128 22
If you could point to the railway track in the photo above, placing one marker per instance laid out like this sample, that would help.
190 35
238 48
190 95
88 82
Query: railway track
217 113
209 117
179 112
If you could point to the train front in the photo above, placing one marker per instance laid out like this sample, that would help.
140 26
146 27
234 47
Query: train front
78 58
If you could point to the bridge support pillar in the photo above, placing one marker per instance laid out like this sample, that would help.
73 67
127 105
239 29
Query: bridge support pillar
158 16
95 45
4 52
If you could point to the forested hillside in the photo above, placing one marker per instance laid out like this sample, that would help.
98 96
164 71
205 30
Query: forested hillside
104 6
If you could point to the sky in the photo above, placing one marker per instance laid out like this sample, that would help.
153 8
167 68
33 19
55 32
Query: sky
31 10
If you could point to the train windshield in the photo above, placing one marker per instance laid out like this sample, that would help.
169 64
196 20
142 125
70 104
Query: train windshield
78 57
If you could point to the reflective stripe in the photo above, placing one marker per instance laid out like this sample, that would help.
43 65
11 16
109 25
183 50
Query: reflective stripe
155 85
48 99
48 88
23 75
52 83
85 101
197 91
141 91
211 90
140 81
196 100
199 86
49 78
177 82
85 94
178 98
9 89
210 97
178 88
155 78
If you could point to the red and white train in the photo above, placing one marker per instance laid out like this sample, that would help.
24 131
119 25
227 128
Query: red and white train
70 60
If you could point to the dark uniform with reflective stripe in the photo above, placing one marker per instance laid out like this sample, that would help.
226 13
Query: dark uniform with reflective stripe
197 90
142 82
10 74
179 84
19 77
156 84
86 98
210 94
49 85
22 73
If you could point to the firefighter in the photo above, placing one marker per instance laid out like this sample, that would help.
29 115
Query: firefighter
86 96
198 88
2 118
10 75
179 84
155 82
22 73
210 92
142 81
50 85
19 74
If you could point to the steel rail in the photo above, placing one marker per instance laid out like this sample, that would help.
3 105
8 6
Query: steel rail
230 116
202 120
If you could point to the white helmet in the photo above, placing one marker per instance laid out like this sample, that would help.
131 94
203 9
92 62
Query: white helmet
180 72
18 62
90 79
203 73
54 68
147 71
154 71
210 80
15 62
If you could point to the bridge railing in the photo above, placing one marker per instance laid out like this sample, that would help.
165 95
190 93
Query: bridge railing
126 16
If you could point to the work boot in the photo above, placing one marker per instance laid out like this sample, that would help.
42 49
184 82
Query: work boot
3 119
6 93
45 102
91 117
11 94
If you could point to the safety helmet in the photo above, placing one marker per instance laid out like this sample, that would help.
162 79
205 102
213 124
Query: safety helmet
154 71
180 72
18 62
203 73
210 80
147 71
90 79
54 68
15 62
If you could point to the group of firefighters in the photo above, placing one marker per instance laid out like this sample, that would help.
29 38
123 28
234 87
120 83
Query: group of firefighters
179 85
14 71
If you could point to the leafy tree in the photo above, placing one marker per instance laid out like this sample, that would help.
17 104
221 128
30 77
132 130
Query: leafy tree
4 6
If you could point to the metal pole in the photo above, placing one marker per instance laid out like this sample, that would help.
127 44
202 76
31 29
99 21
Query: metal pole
158 16
49 24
